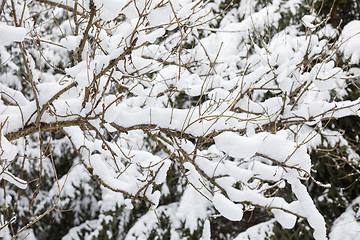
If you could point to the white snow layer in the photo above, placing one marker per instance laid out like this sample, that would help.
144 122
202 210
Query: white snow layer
227 208
347 226
257 232
9 34
351 41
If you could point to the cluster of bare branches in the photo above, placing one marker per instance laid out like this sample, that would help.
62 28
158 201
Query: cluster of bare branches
145 67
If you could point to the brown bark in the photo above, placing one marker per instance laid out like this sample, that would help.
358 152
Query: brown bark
335 20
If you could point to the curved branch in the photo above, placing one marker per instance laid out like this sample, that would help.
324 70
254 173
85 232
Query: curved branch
47 104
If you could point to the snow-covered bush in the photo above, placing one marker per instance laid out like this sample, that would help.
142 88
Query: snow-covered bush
198 112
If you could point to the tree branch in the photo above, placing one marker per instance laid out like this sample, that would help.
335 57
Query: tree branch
55 4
